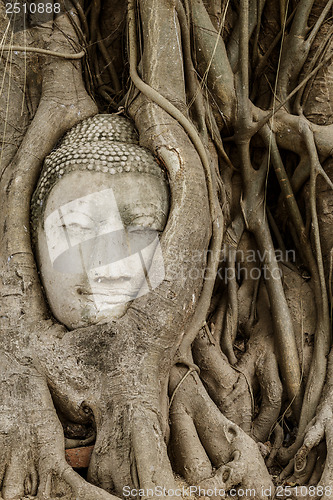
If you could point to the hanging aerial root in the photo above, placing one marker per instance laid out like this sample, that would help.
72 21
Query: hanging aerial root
231 323
277 443
317 373
253 211
19 48
196 97
213 63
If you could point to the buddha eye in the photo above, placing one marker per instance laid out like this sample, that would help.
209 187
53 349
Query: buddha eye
76 226
140 230
77 221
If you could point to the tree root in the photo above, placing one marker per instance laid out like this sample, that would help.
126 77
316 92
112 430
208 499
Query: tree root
308 461
31 440
210 450
225 385
231 388
130 449
319 428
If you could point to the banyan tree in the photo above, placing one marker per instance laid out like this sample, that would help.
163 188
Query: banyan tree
166 244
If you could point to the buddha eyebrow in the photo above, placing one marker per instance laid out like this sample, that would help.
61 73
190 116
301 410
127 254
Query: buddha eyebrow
153 219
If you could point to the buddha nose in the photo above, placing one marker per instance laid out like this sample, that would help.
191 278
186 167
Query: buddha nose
113 261
105 249
117 271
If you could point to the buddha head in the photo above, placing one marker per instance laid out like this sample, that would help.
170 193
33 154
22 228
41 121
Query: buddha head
97 212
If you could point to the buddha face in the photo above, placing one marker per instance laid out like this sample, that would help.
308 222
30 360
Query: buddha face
98 246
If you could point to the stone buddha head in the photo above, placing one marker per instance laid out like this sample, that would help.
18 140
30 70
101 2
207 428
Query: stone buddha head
97 212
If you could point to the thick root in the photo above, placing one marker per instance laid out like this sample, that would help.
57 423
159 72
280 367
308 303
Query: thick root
209 450
227 387
130 449
32 443
309 458
305 460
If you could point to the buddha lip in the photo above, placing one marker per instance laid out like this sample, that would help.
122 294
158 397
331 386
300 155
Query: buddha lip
107 294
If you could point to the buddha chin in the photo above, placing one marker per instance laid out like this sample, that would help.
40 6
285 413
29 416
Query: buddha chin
95 316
